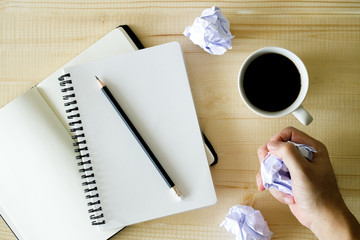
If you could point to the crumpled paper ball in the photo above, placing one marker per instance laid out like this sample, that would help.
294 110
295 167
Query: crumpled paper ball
275 173
211 31
246 223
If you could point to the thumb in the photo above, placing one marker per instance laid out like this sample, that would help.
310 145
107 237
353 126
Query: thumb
289 154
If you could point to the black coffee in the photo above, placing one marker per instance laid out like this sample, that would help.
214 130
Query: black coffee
272 82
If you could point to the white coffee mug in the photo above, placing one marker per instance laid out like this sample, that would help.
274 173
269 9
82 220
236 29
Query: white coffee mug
295 108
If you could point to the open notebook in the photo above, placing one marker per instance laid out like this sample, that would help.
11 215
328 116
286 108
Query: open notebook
41 196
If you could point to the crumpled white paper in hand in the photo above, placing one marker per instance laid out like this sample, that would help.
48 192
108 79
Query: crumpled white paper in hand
211 31
246 223
275 173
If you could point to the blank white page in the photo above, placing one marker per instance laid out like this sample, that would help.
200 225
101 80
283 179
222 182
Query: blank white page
41 196
152 87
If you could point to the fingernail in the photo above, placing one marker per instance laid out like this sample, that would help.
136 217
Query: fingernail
273 145
288 200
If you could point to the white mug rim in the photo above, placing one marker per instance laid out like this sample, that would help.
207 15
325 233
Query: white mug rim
304 78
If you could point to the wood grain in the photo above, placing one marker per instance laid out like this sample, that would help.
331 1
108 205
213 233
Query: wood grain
36 38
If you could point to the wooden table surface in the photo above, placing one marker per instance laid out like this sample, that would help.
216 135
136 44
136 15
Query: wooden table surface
36 38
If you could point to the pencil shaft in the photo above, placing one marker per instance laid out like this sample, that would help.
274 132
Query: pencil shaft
137 136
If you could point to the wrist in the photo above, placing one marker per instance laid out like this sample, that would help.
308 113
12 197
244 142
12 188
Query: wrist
336 223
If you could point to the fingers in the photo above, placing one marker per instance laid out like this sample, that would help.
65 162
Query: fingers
295 135
289 154
262 152
282 197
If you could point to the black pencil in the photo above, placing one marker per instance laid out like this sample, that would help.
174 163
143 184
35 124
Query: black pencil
139 139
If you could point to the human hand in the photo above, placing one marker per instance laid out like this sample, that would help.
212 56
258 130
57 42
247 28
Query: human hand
317 202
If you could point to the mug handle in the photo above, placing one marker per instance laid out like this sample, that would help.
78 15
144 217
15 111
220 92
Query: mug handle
302 115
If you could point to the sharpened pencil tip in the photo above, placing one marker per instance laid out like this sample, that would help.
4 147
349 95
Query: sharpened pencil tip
101 84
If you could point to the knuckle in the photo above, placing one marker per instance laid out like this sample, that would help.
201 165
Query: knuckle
319 146
322 146
288 148
290 128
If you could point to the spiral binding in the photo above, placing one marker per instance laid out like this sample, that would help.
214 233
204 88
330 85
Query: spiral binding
84 163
